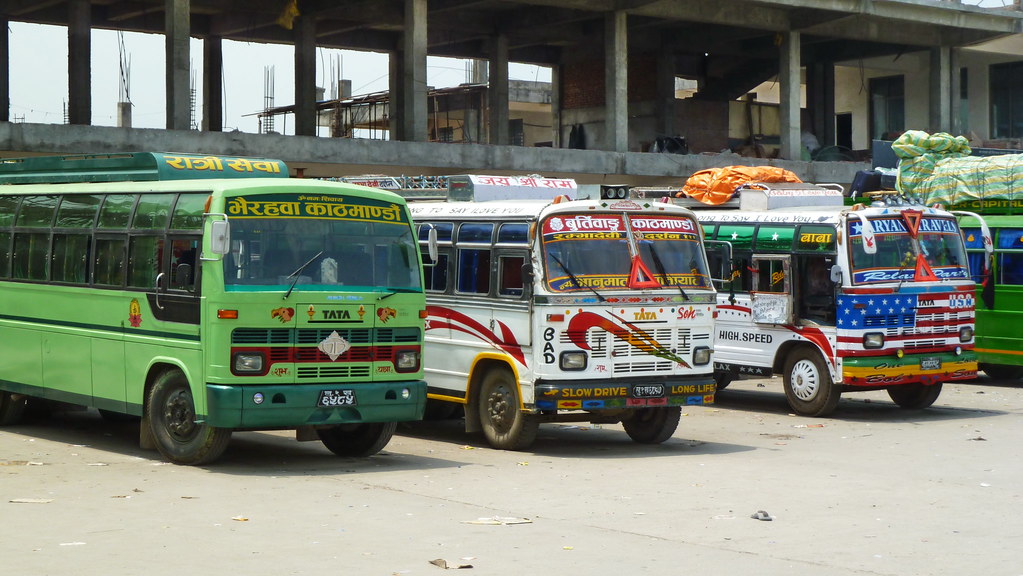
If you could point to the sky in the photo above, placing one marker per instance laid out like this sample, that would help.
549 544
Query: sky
39 86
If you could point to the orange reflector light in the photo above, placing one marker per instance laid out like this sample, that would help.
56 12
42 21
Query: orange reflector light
227 314
555 317
423 314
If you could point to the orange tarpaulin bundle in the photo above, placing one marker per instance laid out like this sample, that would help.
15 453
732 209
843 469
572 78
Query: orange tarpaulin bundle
716 185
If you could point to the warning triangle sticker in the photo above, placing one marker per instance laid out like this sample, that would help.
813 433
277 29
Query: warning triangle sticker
640 277
923 271
912 220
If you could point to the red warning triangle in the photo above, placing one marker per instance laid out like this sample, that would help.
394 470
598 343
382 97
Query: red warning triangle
640 277
923 271
912 220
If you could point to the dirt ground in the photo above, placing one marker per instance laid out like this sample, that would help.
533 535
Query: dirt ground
873 490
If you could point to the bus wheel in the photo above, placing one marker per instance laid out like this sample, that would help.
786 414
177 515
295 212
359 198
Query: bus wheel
357 439
722 380
171 414
12 407
808 385
914 396
505 426
1002 372
652 425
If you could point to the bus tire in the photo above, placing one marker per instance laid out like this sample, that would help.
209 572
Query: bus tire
652 425
505 426
808 386
357 440
914 396
170 410
1002 371
12 407
722 380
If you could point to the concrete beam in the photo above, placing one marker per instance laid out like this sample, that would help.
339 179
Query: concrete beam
305 75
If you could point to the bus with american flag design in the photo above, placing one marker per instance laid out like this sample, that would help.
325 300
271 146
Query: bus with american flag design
543 308
841 298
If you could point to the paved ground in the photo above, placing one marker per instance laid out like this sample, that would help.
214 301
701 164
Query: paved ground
875 490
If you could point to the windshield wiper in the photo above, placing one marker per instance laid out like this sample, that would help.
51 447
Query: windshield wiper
297 274
664 273
573 278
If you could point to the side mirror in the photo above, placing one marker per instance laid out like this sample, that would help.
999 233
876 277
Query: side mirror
220 237
836 273
527 273
431 246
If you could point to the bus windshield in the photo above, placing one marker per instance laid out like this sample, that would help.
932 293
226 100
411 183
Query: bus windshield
935 253
614 251
269 253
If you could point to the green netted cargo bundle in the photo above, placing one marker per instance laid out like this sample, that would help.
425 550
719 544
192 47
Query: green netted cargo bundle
938 168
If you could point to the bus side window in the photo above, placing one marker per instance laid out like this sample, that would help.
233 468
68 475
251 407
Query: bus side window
510 274
1010 268
5 254
1010 264
70 258
108 269
436 276
742 275
474 271
144 261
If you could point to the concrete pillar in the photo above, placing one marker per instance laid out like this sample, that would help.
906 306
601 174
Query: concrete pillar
497 95
79 66
414 109
177 30
940 89
556 106
665 107
396 87
305 75
213 84
616 78
789 87
124 114
5 71
820 97
955 87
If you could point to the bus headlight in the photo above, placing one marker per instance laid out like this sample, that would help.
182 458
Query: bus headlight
573 361
701 355
247 363
873 340
406 361
966 333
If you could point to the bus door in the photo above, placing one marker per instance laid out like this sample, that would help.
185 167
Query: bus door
771 297
172 289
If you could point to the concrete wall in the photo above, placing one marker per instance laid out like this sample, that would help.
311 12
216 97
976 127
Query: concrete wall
320 157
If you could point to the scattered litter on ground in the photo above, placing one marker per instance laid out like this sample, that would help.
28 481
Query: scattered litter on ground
498 521
240 519
30 500
761 515
442 563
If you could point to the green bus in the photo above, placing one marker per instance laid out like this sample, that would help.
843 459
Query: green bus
999 285
206 295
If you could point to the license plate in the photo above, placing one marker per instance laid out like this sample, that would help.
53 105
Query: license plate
930 363
648 391
336 398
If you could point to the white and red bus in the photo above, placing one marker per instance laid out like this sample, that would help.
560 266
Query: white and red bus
546 309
